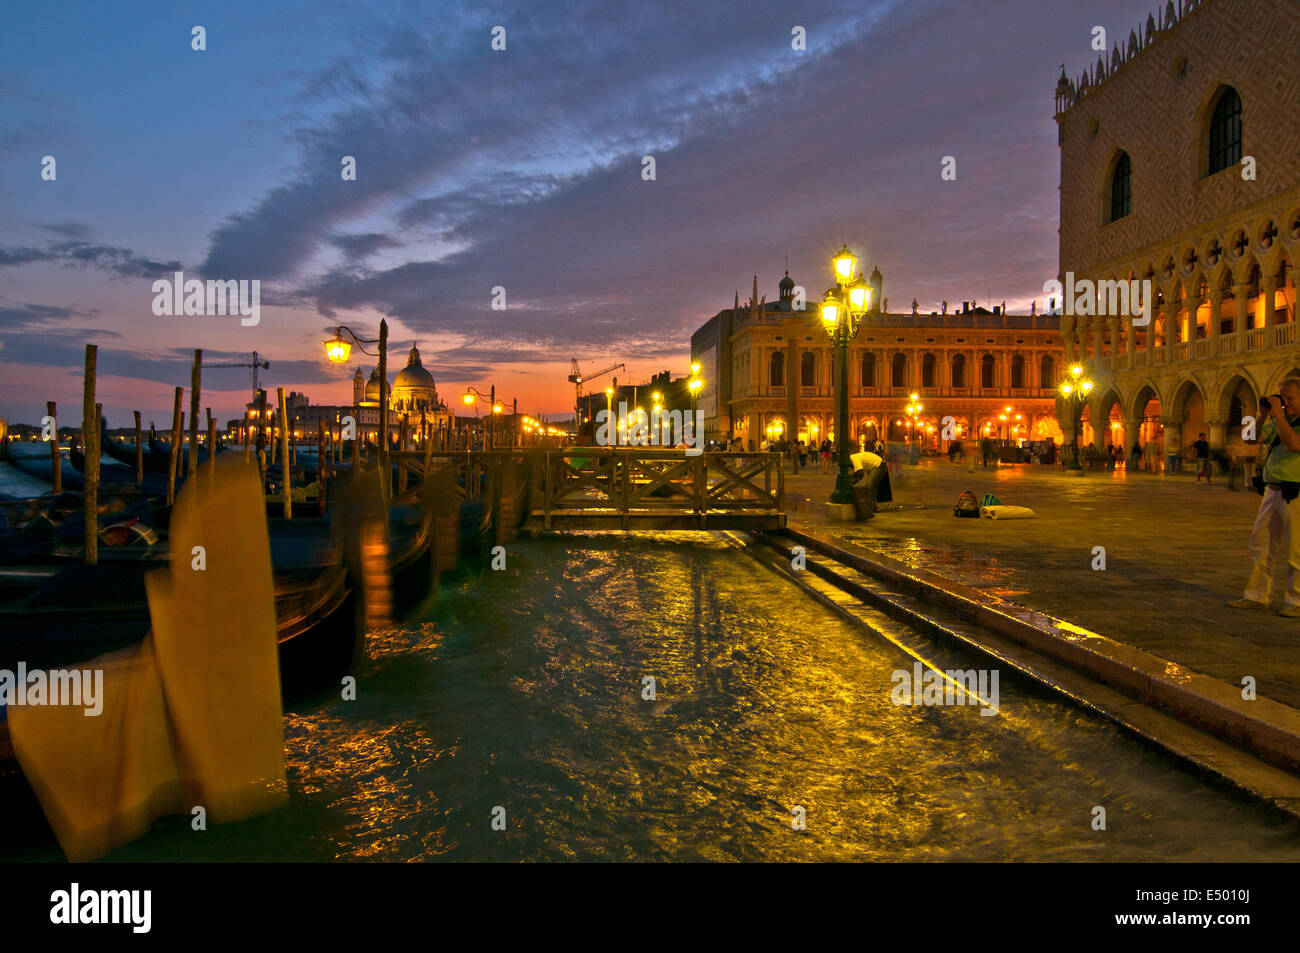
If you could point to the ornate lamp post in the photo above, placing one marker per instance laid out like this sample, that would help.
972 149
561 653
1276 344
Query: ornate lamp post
842 309
913 410
1074 393
694 385
337 351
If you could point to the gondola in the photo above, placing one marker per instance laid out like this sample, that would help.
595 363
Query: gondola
116 474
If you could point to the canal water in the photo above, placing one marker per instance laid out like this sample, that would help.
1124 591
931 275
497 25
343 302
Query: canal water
523 690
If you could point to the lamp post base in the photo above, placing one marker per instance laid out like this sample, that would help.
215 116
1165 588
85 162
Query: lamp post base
841 512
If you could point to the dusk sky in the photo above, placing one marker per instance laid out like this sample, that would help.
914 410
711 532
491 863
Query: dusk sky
519 168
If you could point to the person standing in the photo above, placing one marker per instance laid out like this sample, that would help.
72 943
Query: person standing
826 456
986 451
1136 457
1276 532
1202 448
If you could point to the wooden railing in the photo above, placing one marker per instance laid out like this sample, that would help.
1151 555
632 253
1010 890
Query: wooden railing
640 488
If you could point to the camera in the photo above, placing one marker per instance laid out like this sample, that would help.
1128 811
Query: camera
1265 404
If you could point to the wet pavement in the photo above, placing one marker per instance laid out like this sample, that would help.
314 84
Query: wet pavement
1175 553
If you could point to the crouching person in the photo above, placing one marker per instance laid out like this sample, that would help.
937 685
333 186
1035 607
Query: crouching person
1276 532
870 483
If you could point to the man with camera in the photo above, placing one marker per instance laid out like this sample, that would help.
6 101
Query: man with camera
1277 524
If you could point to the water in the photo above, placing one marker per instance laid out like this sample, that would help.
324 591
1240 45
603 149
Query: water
522 689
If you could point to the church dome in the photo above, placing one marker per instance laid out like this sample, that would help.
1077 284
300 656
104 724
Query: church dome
413 376
787 283
372 386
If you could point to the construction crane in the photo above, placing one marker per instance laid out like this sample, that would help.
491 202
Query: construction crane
577 379
254 364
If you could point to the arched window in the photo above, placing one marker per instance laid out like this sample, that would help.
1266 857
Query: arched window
986 371
1046 373
808 370
898 377
1225 131
868 370
927 371
1017 371
959 370
1121 188
777 374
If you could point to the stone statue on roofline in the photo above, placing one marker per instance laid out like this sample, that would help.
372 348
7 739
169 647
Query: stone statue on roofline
914 306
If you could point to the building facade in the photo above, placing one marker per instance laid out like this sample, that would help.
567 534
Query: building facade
769 370
1180 165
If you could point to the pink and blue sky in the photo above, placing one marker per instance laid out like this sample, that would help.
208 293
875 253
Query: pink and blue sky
519 168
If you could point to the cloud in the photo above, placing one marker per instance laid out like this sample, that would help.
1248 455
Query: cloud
120 261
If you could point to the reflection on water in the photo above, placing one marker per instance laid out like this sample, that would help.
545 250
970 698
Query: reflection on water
523 690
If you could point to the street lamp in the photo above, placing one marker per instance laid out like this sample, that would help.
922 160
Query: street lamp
1075 390
912 410
842 308
337 351
694 385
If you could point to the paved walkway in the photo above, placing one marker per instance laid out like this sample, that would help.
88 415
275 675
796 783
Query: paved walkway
1175 553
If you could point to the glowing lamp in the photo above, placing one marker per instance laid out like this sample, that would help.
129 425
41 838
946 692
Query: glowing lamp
845 265
337 350
830 311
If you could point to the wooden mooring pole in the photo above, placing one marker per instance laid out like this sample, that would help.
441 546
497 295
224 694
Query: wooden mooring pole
285 460
212 448
139 451
173 461
56 460
90 496
196 375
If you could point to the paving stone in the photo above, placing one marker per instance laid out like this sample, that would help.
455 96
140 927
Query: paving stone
1175 555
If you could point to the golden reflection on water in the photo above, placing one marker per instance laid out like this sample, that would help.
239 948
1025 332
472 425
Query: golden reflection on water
523 690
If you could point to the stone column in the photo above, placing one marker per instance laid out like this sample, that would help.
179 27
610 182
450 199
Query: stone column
1216 314
1115 349
1193 307
1132 435
1173 441
1098 333
1267 288
1216 428
1130 341
1241 295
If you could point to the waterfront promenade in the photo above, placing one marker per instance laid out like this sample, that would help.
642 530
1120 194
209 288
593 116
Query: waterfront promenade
1175 554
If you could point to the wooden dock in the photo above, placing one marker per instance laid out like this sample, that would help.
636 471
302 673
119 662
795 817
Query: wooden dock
621 488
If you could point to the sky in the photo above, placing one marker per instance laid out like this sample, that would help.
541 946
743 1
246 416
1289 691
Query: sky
520 169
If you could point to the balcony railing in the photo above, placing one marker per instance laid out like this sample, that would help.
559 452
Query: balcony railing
1255 338
1180 351
776 391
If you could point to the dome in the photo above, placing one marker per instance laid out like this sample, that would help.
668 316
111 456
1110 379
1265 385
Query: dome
372 386
787 283
413 376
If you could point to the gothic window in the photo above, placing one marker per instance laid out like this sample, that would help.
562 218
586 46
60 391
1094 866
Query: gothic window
1017 371
927 371
808 370
1225 131
868 370
1121 188
959 370
777 378
986 371
898 375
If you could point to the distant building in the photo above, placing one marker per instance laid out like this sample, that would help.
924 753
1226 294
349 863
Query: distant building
1180 164
413 396
768 367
